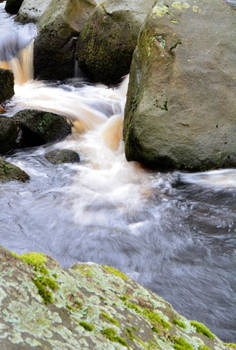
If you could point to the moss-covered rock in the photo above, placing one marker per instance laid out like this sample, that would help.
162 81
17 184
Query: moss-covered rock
10 172
58 29
86 307
31 10
107 41
60 156
6 85
39 127
13 6
181 106
8 134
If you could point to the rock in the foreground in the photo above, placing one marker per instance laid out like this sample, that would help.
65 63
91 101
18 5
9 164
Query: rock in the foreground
38 128
6 85
107 41
59 156
8 134
10 172
87 307
181 108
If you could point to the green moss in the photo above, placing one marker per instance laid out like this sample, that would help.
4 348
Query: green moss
110 334
181 344
43 282
110 319
204 347
116 272
202 329
230 345
87 326
179 323
85 270
130 334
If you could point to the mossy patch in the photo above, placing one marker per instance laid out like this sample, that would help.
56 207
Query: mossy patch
116 272
181 344
204 347
179 323
87 326
202 329
111 334
110 319
42 280
230 345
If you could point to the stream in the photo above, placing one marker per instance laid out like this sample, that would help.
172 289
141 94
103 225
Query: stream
174 233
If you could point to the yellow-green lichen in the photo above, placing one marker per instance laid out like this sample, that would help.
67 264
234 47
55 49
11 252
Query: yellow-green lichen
87 326
179 323
160 10
195 9
181 344
230 345
180 5
35 259
204 347
116 272
110 319
202 329
111 334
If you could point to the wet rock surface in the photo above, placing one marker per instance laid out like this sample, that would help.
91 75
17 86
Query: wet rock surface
180 111
13 6
62 21
10 172
38 128
31 10
60 156
6 85
107 41
8 134
87 307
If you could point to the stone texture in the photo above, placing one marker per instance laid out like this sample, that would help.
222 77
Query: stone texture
58 29
8 134
6 85
107 41
60 156
31 10
181 106
87 307
10 172
38 128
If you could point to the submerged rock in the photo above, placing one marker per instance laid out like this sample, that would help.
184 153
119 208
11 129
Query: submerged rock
181 106
60 156
38 128
58 29
10 172
107 41
87 307
13 6
8 134
6 85
31 10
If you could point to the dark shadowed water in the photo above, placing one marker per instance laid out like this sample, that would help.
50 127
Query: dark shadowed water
174 233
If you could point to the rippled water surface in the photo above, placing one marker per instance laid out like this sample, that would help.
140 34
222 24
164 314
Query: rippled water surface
174 233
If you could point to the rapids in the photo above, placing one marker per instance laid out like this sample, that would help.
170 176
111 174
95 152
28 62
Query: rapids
172 232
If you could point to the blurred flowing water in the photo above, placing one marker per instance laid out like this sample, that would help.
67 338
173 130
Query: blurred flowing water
174 233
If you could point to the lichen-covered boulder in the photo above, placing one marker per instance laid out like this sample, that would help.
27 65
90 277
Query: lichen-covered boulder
6 85
87 307
8 134
31 10
10 172
107 41
38 127
58 28
13 6
181 106
59 156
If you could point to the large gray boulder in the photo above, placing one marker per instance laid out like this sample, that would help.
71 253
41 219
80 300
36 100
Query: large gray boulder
31 10
58 28
107 41
181 106
6 85
89 307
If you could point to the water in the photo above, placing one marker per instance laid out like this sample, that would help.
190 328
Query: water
174 233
